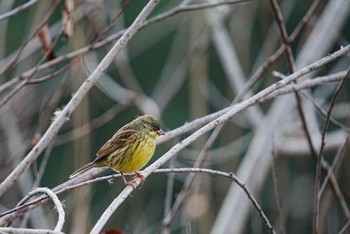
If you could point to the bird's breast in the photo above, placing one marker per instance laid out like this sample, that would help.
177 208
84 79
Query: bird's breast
138 155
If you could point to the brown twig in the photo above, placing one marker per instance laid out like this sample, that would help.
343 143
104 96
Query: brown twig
331 177
25 80
279 52
34 34
48 77
345 229
320 155
290 63
86 128
275 190
230 176
298 29
168 219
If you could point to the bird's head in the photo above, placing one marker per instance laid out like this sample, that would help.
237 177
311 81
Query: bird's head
150 124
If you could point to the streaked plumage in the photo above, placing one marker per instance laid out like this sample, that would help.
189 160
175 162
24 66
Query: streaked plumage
129 149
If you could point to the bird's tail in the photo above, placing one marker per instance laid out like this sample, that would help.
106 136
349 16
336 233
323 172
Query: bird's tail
82 169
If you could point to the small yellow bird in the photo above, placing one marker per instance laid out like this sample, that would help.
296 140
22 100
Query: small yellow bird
129 149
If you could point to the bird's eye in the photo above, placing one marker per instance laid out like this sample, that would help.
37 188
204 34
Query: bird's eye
155 127
149 126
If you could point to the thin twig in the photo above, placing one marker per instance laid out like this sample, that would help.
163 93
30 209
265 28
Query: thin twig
25 80
291 68
284 35
320 155
305 85
168 219
48 77
331 177
298 29
34 33
311 83
258 73
275 190
38 177
169 188
194 7
232 177
86 128
279 52
17 10
346 228
27 231
323 112
113 22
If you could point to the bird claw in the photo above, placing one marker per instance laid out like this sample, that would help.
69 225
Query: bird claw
139 175
133 181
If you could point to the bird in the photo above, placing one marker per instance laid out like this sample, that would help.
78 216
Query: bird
129 149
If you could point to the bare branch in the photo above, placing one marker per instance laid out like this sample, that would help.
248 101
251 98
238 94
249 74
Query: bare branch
54 198
27 231
320 155
17 9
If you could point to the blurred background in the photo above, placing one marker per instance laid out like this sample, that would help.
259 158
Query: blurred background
183 65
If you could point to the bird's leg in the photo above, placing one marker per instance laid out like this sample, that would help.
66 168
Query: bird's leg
139 175
123 177
132 183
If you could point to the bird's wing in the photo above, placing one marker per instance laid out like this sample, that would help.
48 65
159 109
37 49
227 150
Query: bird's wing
116 143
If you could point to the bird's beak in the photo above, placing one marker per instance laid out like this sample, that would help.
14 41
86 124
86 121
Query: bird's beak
160 132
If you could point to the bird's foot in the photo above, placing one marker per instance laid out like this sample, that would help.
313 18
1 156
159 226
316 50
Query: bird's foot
133 181
139 175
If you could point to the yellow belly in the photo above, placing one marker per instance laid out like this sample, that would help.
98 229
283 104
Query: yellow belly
135 157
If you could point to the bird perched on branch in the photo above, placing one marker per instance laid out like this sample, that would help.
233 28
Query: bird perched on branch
129 149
